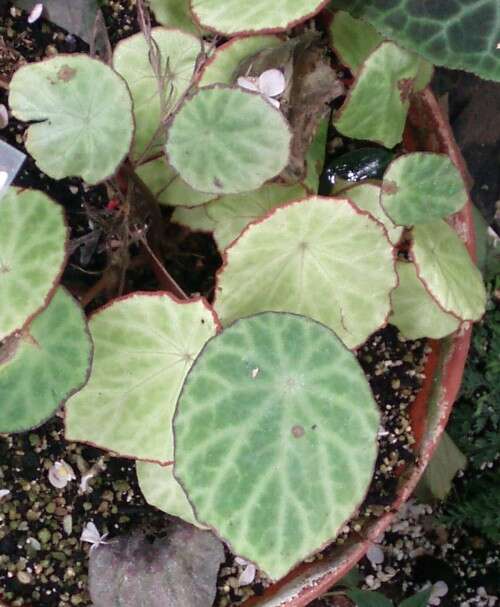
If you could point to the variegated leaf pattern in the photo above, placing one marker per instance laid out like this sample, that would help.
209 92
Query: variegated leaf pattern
275 437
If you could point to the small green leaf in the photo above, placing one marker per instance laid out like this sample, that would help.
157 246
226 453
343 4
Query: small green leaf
438 477
161 490
367 197
378 102
168 187
179 52
352 39
421 599
447 271
368 598
233 17
29 267
241 141
144 346
319 257
283 451
460 34
420 187
174 14
44 364
232 213
415 312
83 116
195 218
222 67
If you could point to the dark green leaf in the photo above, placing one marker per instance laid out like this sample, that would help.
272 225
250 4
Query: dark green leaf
460 34
418 600
367 598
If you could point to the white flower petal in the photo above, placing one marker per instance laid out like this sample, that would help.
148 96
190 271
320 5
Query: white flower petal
247 576
90 534
3 492
248 83
36 12
375 555
4 116
274 102
439 589
60 474
272 83
3 180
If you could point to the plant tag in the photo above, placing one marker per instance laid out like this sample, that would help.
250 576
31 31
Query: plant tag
11 161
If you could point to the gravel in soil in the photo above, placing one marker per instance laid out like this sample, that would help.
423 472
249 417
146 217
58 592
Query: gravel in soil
43 564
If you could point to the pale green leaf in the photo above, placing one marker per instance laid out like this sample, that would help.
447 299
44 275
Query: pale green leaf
420 187
233 17
352 39
44 364
319 257
168 187
82 112
194 218
144 346
447 271
174 13
377 103
367 197
283 451
241 140
161 490
29 267
179 52
415 313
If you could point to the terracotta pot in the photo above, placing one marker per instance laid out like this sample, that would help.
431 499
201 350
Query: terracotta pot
427 130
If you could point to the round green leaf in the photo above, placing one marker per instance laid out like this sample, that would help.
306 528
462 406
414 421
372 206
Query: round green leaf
179 52
283 451
352 39
194 218
319 257
447 271
420 187
83 113
224 63
415 313
241 141
233 17
367 197
232 213
161 490
377 103
29 267
174 13
168 187
44 364
144 346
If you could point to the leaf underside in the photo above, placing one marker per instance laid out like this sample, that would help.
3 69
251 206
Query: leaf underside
415 313
446 269
319 257
83 114
144 346
242 141
281 453
50 360
420 187
233 17
459 34
29 267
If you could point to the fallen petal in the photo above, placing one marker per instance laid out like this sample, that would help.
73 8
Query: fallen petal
36 12
3 492
439 589
60 474
375 555
248 83
90 534
247 576
274 102
272 83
